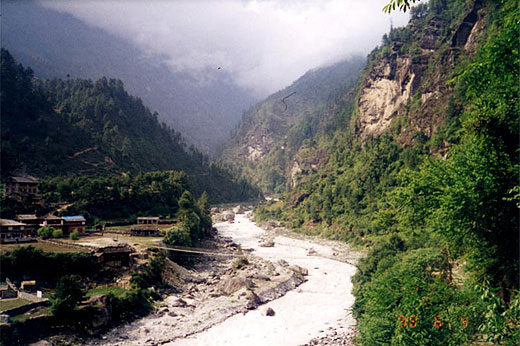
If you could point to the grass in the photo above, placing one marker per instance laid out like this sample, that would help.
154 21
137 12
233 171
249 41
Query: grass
6 304
115 290
240 262
42 311
143 240
106 239
162 227
45 247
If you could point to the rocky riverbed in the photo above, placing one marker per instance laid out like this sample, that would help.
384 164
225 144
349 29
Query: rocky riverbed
263 289
315 313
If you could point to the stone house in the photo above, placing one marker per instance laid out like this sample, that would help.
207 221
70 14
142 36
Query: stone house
12 231
31 221
23 189
74 223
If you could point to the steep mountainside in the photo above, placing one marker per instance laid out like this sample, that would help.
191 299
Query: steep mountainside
77 127
276 137
57 45
408 74
424 172
405 78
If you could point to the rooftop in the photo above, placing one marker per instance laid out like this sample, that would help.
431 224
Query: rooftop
120 248
73 218
26 217
24 179
51 217
7 222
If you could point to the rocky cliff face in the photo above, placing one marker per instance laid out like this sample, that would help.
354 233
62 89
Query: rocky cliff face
419 66
386 90
259 144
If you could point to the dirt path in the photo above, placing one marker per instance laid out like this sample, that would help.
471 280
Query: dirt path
317 309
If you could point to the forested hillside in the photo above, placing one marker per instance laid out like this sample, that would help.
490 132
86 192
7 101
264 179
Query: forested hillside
79 127
55 45
424 172
277 137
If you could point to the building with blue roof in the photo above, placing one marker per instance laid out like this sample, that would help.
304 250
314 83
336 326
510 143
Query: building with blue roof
74 223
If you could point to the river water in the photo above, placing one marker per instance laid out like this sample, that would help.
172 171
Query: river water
317 306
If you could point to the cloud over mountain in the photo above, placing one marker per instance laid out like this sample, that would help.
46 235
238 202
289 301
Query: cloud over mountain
264 45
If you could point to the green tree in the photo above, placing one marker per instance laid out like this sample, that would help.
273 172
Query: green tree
186 202
402 5
204 213
58 233
178 236
69 292
192 221
45 232
74 235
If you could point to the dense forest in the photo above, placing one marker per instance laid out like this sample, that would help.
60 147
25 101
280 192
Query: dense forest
434 196
78 127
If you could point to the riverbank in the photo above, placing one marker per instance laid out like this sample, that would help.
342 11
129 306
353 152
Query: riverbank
306 284
317 311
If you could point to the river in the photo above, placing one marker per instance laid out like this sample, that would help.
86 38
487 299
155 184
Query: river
316 307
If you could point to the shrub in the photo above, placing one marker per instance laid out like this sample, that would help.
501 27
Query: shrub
134 303
45 232
240 263
150 274
58 233
407 300
74 235
178 235
69 292
137 281
45 267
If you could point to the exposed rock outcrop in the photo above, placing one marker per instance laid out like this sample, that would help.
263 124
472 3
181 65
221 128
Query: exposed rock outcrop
225 216
267 243
233 284
398 75
175 274
100 311
386 89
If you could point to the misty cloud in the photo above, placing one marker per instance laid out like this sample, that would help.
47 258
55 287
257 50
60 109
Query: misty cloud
264 45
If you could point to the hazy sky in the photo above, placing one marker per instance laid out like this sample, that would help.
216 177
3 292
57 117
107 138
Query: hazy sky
264 44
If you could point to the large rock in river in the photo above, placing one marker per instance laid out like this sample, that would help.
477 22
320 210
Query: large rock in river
233 284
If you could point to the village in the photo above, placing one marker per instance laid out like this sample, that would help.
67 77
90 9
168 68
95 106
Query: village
124 268
127 273
118 248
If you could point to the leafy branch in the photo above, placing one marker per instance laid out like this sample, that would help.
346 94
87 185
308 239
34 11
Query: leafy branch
402 5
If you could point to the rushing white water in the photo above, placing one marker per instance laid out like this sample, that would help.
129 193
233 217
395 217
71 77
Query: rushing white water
321 303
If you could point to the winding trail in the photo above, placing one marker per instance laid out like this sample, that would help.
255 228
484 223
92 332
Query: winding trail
319 305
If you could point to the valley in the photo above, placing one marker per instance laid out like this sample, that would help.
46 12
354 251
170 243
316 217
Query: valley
372 201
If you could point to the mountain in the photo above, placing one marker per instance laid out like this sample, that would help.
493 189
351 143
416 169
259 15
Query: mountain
422 173
78 127
270 139
57 45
